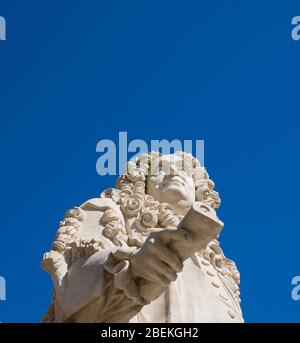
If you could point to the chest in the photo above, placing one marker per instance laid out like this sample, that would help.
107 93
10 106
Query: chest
198 295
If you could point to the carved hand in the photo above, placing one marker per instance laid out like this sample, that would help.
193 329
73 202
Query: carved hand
156 262
51 261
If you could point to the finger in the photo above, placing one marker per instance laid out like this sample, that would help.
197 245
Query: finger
166 255
163 270
219 261
179 234
208 254
215 248
149 273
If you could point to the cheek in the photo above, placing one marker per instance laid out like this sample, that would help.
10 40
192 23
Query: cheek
156 180
191 188
153 183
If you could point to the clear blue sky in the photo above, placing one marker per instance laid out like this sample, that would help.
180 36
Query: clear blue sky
75 72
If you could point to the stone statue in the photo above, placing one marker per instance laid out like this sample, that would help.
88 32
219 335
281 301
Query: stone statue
147 251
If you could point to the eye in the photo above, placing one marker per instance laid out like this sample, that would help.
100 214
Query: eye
189 170
160 165
187 167
179 165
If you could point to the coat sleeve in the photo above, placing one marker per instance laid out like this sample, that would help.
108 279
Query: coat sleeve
100 289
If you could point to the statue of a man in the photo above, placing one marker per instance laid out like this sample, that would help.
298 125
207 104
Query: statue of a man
144 252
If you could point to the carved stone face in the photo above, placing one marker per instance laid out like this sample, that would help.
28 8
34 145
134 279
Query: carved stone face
170 181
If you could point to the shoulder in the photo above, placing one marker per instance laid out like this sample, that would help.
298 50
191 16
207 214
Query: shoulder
101 209
99 204
83 229
102 218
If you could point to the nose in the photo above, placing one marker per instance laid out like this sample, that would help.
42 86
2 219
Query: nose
173 170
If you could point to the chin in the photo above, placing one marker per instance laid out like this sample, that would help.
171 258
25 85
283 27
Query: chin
181 209
175 192
175 188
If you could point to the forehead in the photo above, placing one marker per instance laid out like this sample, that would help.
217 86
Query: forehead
163 162
169 158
